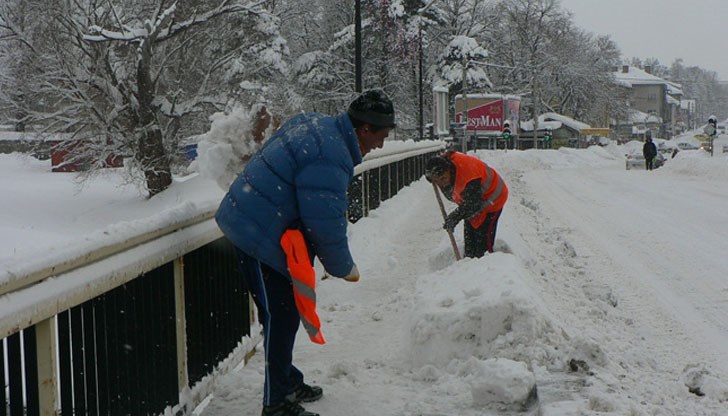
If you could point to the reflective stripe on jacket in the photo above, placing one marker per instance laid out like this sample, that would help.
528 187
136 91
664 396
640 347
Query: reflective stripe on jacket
303 277
495 191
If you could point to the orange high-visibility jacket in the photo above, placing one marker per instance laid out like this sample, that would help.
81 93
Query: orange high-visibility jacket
495 191
303 277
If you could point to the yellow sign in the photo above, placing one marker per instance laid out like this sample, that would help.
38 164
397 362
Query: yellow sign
602 131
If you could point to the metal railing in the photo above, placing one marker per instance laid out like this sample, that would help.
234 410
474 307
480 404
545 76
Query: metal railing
380 177
143 326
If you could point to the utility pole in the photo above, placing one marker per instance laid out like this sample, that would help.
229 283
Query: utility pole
421 119
535 111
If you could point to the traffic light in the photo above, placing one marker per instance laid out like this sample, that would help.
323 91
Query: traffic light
713 122
506 130
547 135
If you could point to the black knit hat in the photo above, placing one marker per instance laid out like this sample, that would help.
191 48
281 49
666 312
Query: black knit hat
437 166
373 107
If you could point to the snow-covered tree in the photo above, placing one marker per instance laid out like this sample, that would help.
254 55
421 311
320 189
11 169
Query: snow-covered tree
126 78
323 53
456 36
461 61
702 85
538 52
134 77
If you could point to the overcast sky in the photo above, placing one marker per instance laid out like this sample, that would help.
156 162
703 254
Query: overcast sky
694 30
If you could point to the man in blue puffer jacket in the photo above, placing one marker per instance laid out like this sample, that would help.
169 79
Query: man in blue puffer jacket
298 179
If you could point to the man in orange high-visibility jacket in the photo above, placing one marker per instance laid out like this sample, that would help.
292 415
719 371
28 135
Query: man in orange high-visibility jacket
480 193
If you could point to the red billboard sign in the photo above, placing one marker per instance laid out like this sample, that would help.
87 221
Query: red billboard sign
487 117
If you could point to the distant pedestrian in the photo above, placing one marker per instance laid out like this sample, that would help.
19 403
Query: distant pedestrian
649 151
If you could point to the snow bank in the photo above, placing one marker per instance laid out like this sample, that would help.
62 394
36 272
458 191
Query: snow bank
496 316
490 332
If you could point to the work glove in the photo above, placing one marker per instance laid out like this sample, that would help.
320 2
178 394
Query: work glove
450 222
353 275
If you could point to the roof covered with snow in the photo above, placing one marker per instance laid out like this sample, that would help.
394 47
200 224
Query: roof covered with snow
636 116
489 95
554 121
636 76
11 136
687 105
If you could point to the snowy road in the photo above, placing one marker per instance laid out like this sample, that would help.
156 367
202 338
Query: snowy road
659 240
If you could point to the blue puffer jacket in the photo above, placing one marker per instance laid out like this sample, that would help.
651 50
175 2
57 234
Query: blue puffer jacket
298 179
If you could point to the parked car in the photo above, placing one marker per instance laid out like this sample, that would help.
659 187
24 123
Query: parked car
637 161
687 146
667 148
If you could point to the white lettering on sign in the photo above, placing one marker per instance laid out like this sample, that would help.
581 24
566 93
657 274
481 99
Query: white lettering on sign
484 122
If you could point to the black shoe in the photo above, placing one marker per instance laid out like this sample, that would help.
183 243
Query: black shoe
286 409
306 394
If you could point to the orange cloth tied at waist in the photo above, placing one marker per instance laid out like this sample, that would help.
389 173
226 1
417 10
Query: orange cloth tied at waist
303 277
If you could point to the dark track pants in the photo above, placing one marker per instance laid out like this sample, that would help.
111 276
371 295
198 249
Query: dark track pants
481 239
649 163
273 295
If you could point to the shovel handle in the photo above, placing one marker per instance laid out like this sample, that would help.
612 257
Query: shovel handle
444 216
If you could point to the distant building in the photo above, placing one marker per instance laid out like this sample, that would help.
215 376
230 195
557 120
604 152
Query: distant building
566 130
660 99
686 119
636 124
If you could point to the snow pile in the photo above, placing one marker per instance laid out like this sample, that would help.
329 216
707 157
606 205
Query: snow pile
698 163
50 213
491 332
486 331
457 317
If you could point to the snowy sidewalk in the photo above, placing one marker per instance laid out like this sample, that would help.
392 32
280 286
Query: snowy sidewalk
411 337
569 299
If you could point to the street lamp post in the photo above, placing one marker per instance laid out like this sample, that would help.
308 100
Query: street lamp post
357 46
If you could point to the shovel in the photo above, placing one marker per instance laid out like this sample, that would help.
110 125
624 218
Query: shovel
444 216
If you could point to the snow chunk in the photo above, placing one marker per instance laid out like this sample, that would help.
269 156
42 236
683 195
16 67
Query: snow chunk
228 145
502 382
699 381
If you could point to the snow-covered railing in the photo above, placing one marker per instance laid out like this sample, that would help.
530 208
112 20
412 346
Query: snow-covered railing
144 323
12 280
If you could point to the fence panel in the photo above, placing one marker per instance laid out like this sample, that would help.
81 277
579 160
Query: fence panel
114 354
217 308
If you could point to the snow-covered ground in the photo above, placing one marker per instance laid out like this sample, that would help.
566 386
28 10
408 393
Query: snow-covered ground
609 289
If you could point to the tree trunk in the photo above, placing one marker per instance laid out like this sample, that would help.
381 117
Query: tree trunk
155 161
152 156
